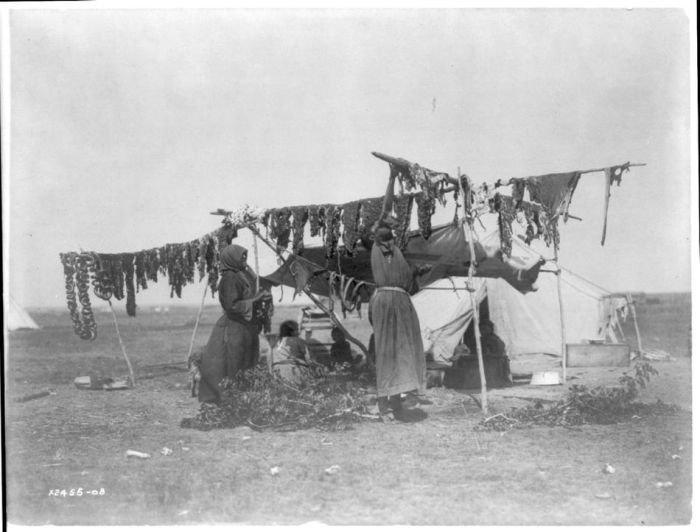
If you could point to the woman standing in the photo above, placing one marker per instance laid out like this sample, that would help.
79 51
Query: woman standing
233 345
400 362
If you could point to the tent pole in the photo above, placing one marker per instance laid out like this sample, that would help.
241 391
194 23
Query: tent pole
132 379
468 221
337 322
561 315
257 289
633 308
312 297
388 196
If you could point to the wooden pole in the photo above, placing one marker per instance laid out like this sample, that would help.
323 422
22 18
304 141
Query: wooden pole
313 298
388 197
633 308
196 323
257 289
467 224
500 182
398 161
602 169
257 263
503 182
561 315
337 322
119 336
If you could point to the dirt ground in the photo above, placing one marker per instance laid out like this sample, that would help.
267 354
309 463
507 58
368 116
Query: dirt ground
438 471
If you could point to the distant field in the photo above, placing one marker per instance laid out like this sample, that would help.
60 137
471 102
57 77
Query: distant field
664 323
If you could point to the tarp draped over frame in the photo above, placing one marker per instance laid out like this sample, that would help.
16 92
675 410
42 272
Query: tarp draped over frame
445 251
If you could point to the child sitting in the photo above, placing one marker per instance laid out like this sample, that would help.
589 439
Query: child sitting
290 356
340 350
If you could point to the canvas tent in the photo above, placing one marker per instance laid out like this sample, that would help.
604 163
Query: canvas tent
527 323
17 318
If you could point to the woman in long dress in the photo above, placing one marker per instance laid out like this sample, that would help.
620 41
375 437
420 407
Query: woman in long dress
400 361
234 343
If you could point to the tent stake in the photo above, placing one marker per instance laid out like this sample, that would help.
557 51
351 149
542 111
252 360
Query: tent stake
467 223
561 315
196 323
119 336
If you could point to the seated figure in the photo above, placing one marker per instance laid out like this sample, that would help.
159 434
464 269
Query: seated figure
340 350
290 356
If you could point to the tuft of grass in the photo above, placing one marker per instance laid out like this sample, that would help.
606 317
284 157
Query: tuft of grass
582 405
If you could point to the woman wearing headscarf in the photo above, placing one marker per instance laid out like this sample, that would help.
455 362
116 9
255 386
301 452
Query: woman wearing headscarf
400 361
233 345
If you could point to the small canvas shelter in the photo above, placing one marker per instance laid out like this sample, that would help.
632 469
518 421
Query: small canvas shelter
17 318
528 323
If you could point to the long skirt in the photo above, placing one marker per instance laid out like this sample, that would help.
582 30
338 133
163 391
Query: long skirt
400 361
232 347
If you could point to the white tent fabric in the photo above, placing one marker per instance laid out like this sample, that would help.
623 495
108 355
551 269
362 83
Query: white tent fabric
444 312
527 323
17 317
530 323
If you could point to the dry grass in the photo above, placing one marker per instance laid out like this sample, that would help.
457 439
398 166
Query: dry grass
436 472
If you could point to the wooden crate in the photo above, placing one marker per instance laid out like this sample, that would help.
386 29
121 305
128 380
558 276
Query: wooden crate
593 355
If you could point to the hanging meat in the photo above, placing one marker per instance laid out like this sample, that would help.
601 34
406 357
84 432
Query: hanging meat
140 270
173 266
102 285
506 215
403 206
518 190
191 252
316 214
280 226
127 261
84 266
351 225
77 270
68 261
213 265
300 216
370 211
202 257
553 191
332 224
426 209
152 264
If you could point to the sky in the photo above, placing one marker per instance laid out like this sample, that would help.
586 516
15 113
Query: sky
127 127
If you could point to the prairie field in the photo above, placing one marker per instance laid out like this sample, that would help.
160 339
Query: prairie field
66 463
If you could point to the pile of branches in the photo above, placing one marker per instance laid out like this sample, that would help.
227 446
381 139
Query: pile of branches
583 405
264 401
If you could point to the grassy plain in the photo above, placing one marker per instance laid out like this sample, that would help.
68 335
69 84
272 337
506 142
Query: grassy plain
435 472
